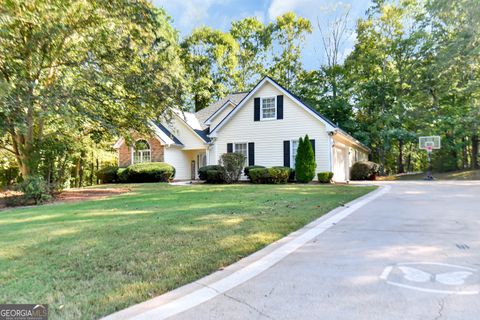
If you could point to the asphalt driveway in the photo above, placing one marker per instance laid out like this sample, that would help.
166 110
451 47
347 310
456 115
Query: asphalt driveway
413 253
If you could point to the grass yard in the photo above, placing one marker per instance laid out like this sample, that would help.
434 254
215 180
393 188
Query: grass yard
468 174
91 258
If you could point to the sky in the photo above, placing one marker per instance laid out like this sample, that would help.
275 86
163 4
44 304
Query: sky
218 14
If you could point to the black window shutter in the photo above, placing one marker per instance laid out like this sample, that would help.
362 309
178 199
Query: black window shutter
251 154
256 111
280 107
286 153
312 141
229 147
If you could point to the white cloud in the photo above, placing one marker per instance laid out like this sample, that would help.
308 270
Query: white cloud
307 8
191 13
326 11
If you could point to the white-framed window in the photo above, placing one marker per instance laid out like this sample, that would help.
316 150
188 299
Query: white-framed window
293 152
241 148
141 152
268 108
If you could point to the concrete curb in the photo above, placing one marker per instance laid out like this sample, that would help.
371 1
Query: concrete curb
206 288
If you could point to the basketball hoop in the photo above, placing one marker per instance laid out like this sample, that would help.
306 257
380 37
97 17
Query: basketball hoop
428 144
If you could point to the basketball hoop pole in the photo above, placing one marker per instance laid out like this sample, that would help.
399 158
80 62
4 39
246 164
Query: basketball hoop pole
429 172
429 143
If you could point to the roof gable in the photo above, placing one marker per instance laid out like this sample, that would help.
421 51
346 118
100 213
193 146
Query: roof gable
205 113
328 124
219 110
190 122
168 133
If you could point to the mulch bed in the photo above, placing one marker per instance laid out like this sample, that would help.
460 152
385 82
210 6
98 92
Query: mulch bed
70 195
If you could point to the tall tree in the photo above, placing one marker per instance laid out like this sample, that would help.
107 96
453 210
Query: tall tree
381 71
288 36
254 40
111 64
210 59
454 42
327 88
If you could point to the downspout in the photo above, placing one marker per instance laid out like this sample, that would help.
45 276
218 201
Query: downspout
213 147
330 154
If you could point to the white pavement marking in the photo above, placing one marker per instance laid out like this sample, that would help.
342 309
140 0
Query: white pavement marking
461 293
416 275
386 272
437 264
219 287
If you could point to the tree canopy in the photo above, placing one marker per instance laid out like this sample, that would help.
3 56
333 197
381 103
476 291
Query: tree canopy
74 75
85 68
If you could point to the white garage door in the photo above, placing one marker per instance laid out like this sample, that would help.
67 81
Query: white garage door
340 158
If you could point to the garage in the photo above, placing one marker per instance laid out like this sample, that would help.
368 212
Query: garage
340 163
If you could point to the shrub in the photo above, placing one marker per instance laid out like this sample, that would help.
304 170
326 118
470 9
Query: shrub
364 170
233 163
148 172
325 177
259 175
202 172
246 170
305 161
291 176
122 174
278 175
215 176
36 189
8 174
108 174
275 175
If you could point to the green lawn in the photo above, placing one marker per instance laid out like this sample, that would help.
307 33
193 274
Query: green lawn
468 174
91 258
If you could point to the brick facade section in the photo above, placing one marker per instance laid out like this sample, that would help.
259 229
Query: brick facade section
125 153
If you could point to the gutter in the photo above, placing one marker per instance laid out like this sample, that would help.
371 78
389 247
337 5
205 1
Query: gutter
349 137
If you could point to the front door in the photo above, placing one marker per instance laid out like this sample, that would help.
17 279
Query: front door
194 174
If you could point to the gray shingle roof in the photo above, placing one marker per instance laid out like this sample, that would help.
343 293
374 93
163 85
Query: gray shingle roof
203 114
168 133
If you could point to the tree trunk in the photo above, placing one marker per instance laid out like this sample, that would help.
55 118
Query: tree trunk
464 153
475 141
26 154
409 162
81 169
92 169
381 157
409 158
77 173
98 165
400 157
197 103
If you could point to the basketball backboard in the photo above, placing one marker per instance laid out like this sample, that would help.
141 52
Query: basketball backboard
429 143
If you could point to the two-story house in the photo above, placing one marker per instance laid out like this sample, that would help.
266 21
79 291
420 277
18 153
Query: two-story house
264 124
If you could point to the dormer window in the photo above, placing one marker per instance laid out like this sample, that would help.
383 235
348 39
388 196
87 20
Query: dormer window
268 108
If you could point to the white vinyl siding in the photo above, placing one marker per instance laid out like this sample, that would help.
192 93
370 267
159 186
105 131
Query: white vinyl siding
268 136
180 160
344 155
268 108
183 133
222 114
